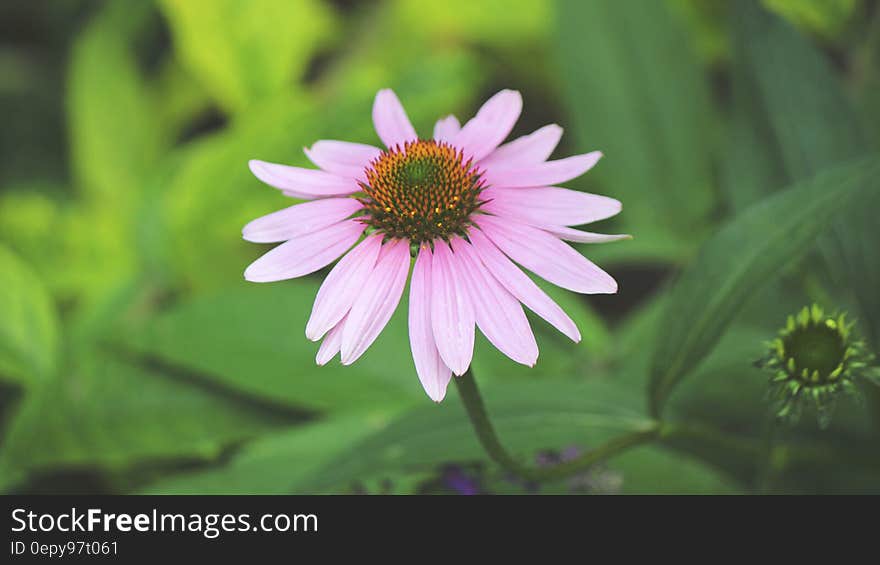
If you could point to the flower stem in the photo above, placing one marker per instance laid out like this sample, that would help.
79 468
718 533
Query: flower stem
476 410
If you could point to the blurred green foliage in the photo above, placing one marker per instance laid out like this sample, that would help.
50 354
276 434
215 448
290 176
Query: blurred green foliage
244 52
134 358
29 327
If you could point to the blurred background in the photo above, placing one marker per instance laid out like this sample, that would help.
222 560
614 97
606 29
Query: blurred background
134 357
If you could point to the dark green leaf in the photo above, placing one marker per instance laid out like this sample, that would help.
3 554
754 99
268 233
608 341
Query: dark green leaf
652 121
112 414
275 463
802 98
743 256
815 127
751 167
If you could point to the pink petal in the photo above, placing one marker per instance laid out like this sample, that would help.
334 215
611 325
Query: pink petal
498 314
433 372
452 314
342 157
578 236
300 219
526 150
549 205
331 344
546 256
377 301
390 121
521 286
342 286
446 128
543 174
302 183
493 122
305 254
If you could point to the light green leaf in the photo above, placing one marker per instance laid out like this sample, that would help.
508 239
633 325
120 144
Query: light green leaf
507 23
115 133
209 193
246 51
28 323
252 339
527 416
653 122
183 97
76 250
742 257
113 414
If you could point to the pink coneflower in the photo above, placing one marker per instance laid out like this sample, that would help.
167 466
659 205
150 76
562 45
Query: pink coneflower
464 206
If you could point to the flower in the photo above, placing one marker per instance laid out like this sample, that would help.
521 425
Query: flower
815 358
464 206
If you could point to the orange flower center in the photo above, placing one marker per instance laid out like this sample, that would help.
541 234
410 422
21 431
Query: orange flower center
421 191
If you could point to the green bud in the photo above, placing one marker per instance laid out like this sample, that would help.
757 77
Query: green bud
814 359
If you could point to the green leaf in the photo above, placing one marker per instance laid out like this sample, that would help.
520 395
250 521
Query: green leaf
726 388
827 17
743 256
115 133
183 98
815 126
275 463
560 358
76 248
704 21
252 339
28 323
113 414
653 469
505 23
596 339
650 120
210 194
752 165
808 110
527 416
245 51
29 223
